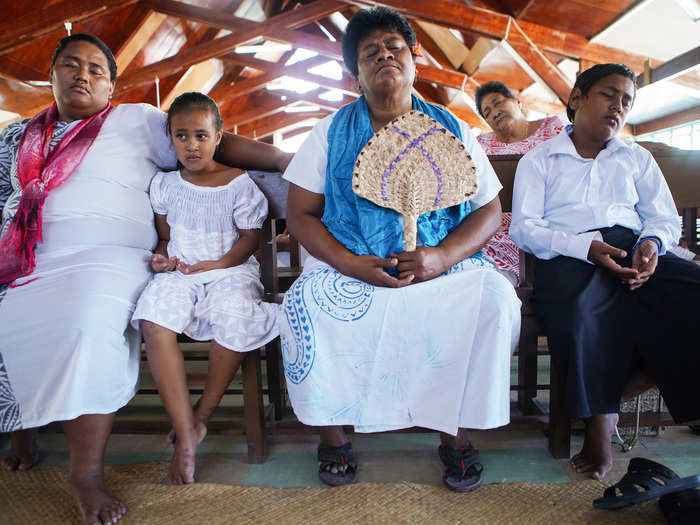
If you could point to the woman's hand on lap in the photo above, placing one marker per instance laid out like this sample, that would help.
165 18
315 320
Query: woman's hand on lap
370 269
424 263
161 263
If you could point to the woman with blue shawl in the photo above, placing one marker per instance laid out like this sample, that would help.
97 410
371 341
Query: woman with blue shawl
374 336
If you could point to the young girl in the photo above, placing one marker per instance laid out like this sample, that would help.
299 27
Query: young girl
597 213
207 283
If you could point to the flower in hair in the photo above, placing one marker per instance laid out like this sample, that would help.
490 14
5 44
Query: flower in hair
416 50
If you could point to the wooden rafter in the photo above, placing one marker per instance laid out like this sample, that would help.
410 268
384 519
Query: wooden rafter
495 25
671 68
263 127
299 70
137 39
42 22
540 68
275 104
276 26
668 121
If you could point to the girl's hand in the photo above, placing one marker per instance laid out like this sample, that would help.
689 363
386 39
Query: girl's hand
160 263
201 266
424 263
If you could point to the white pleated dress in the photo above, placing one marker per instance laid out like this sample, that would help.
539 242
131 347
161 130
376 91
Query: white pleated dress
66 345
225 304
433 354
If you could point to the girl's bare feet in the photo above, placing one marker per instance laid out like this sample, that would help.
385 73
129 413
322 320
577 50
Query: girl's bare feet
23 451
201 415
96 504
182 464
596 454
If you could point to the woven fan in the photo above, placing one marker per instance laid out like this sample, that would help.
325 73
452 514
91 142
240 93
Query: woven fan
414 165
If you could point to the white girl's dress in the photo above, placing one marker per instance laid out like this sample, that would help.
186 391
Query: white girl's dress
226 304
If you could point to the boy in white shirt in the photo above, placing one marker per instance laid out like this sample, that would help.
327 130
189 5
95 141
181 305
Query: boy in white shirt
597 213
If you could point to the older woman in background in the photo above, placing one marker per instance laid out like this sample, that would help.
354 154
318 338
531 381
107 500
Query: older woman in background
512 134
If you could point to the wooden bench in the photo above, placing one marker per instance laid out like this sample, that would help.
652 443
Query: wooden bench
682 172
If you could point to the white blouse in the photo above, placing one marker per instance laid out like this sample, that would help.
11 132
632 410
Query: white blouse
204 221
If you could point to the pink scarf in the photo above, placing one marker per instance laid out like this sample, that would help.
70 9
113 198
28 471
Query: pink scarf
39 172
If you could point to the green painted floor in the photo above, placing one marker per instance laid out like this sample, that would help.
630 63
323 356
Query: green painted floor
514 454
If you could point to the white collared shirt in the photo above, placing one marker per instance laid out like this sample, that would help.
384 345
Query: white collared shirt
558 196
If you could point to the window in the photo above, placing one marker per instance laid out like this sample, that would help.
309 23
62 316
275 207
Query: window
686 136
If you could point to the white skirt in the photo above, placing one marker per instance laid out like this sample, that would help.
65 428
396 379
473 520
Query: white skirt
433 354
66 347
225 305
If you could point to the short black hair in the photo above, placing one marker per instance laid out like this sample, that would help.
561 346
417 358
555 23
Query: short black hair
195 99
112 63
592 75
492 87
367 20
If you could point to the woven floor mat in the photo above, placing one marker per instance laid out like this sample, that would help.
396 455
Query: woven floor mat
42 496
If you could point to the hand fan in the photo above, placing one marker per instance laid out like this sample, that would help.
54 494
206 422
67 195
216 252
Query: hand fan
414 165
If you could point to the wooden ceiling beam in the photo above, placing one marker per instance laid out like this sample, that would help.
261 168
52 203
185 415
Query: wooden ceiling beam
536 64
497 25
668 121
428 45
299 70
447 78
274 26
275 104
247 86
39 23
671 68
264 127
137 40
203 15
455 51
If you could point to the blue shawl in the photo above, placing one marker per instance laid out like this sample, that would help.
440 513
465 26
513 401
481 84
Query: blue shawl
361 226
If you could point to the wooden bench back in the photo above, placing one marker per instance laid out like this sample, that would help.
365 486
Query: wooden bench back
681 169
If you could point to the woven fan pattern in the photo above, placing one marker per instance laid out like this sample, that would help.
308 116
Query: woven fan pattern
414 165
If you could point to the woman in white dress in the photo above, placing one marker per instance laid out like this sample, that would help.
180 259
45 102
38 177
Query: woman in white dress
67 352
428 346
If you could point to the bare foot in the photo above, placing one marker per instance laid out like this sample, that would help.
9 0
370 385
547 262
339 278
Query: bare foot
97 505
200 416
183 462
596 454
23 453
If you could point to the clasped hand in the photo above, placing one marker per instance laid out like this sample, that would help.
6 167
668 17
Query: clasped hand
644 261
422 264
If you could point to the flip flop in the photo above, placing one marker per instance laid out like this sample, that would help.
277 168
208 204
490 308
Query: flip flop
681 508
463 472
342 455
645 480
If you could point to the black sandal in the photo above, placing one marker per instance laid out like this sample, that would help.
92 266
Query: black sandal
681 508
463 472
329 456
645 480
